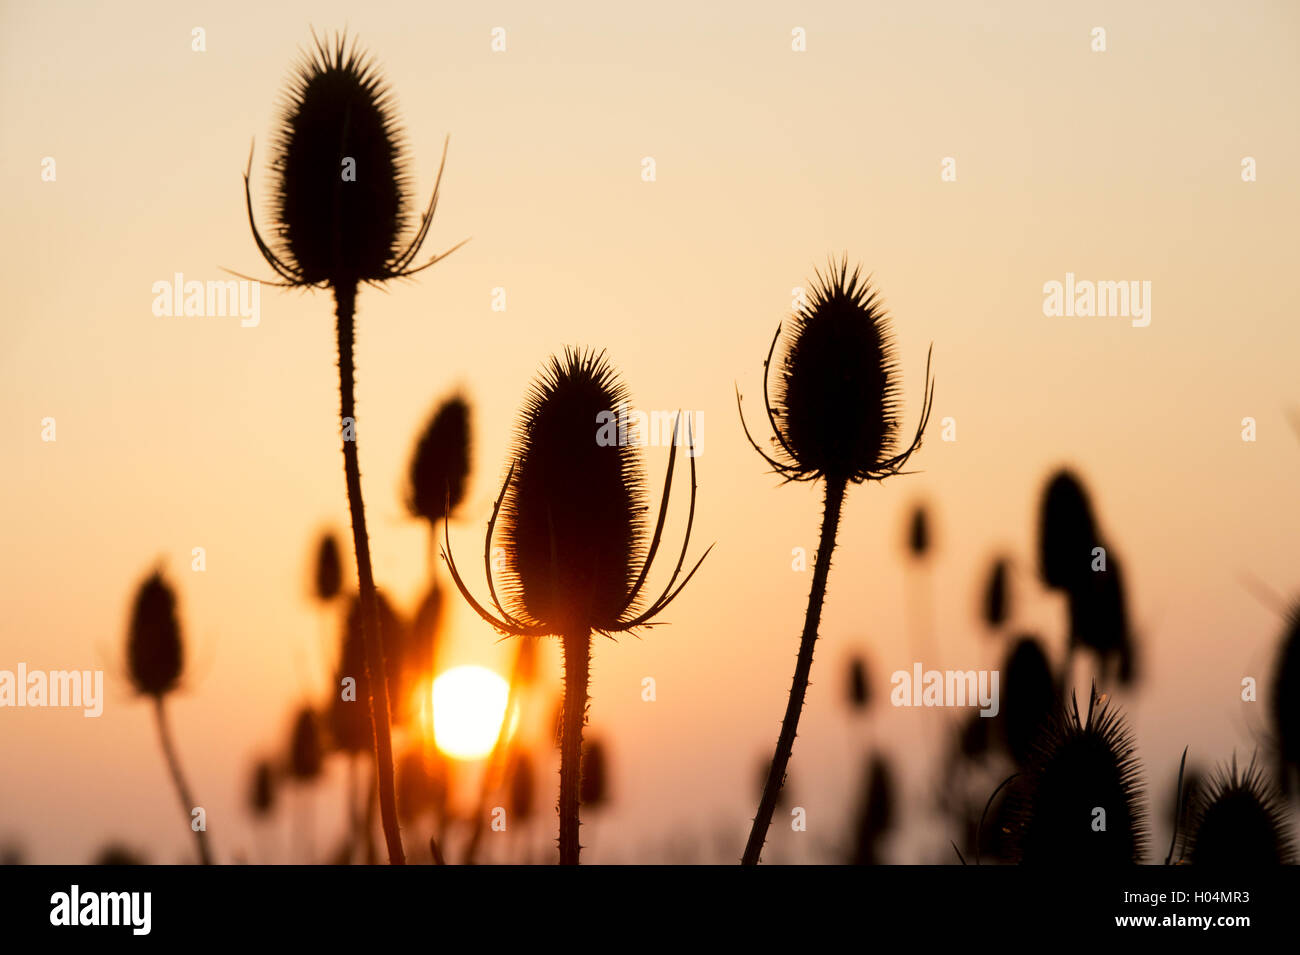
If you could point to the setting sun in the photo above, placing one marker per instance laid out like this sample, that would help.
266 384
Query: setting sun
469 703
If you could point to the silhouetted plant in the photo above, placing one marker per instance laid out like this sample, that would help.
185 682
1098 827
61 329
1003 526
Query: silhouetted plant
1030 702
117 854
595 774
1239 820
329 569
1286 703
859 687
350 726
1080 803
261 791
1099 620
335 230
155 655
440 463
836 419
875 813
305 753
1067 533
574 532
995 607
918 533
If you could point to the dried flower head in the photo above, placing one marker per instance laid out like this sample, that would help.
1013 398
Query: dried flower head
1080 803
837 392
572 512
329 568
995 606
341 179
154 652
1031 702
1239 820
440 464
1067 533
305 754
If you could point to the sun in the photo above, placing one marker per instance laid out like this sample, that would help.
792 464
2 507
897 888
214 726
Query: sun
469 703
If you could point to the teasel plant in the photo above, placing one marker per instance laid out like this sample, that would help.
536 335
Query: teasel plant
835 419
343 217
572 511
1081 766
1239 819
1285 708
155 656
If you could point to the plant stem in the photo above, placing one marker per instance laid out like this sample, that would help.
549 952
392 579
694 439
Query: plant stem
182 788
799 688
345 298
577 661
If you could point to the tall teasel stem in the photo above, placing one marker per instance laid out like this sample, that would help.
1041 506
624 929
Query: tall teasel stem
345 298
577 663
178 777
799 688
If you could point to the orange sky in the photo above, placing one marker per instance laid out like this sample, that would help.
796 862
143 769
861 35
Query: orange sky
181 432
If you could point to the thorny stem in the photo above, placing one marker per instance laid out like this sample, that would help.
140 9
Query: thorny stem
178 777
577 660
345 298
799 688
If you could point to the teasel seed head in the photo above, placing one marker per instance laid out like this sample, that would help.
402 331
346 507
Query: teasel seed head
573 518
154 650
835 412
329 569
1030 698
440 463
859 686
261 794
996 597
594 790
305 754
349 720
1080 766
1239 820
1286 703
1067 533
918 533
341 183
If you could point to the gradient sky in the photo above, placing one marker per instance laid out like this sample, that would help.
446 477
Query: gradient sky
181 432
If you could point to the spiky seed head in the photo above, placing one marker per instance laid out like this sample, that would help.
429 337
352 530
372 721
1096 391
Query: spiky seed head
440 463
305 755
594 787
1286 700
522 787
918 533
154 653
573 519
1030 702
995 595
859 687
1067 533
837 392
875 813
261 794
1078 767
1239 820
329 568
338 118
